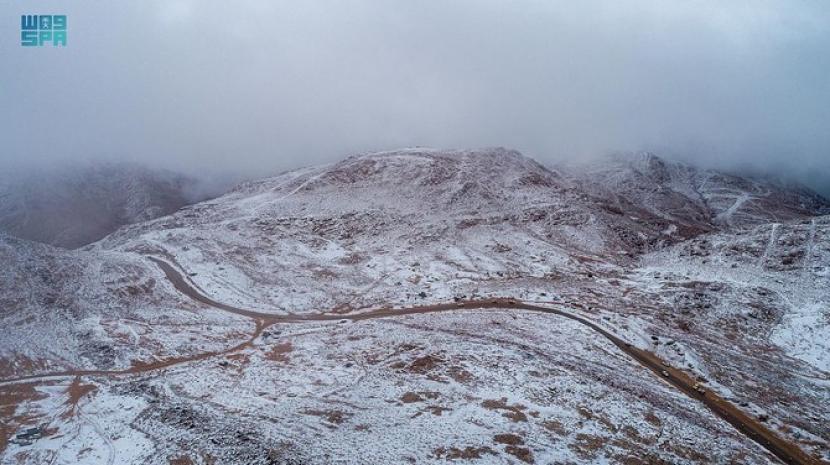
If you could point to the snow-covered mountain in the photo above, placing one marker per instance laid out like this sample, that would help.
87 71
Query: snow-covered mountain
392 222
282 322
70 206
700 199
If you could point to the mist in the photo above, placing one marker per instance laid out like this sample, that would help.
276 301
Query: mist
250 88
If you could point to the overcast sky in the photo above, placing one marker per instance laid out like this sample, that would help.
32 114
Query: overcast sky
258 86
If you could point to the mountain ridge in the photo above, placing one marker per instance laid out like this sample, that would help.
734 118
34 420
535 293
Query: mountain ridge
71 206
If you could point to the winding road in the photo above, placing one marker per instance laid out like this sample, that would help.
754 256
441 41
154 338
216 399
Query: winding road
783 449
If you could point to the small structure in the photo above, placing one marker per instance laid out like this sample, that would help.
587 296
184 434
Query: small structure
29 435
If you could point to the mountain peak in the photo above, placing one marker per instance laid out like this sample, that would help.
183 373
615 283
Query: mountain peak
423 171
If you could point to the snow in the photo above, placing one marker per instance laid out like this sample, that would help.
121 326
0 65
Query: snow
805 334
635 249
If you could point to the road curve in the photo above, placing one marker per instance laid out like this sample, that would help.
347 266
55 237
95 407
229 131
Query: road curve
784 450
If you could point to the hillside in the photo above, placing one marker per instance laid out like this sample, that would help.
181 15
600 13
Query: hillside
73 206
398 224
700 199
420 306
109 310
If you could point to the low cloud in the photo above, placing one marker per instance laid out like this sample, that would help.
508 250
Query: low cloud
259 86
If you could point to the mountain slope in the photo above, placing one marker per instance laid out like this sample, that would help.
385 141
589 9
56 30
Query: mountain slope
702 199
751 311
73 206
394 222
73 309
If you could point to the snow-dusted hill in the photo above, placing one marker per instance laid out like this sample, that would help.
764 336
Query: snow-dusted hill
788 264
103 310
703 200
397 224
73 206
752 308
666 257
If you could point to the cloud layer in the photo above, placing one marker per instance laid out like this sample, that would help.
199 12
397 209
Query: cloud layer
258 86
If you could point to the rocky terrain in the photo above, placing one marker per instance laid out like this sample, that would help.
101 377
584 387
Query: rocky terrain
703 200
280 323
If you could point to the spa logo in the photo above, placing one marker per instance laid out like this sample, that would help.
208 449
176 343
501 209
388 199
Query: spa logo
38 30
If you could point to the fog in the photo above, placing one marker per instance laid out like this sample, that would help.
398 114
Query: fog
254 87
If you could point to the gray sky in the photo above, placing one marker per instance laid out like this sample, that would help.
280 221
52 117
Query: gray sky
257 86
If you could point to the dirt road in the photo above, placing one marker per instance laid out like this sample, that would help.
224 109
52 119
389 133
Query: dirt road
786 451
